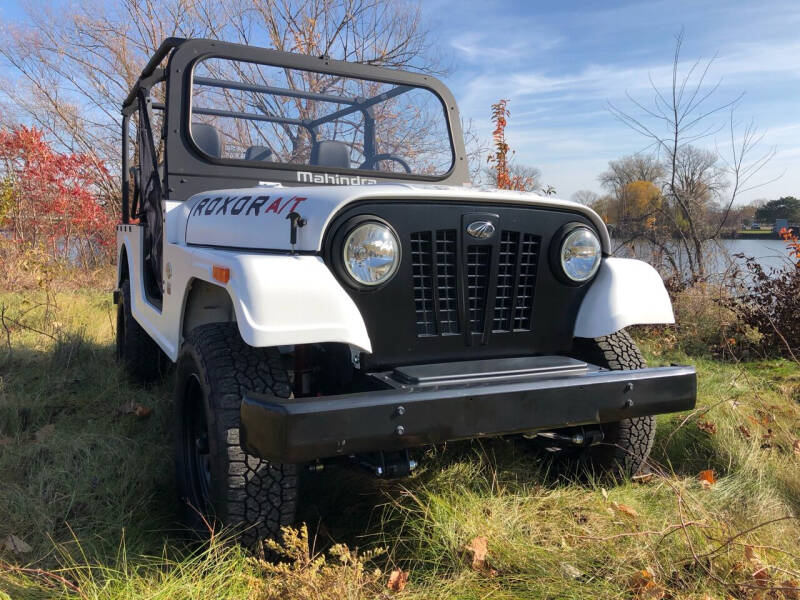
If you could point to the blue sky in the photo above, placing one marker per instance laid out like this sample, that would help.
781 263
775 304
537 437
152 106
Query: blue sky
560 63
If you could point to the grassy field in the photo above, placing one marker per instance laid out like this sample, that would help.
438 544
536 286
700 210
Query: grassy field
87 506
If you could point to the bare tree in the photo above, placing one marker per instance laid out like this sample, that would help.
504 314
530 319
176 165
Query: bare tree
72 65
636 167
586 197
680 117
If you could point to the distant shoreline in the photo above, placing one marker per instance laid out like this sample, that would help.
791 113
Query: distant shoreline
752 235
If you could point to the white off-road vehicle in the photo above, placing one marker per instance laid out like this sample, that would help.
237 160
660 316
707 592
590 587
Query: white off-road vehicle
300 236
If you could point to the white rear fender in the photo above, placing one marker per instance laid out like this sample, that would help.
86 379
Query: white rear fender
625 292
282 299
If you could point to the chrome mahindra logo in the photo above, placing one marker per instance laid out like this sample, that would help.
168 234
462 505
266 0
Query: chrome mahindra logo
481 230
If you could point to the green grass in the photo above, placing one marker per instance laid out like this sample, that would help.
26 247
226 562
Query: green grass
89 487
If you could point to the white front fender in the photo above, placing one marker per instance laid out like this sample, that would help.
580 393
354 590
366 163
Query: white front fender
284 299
625 292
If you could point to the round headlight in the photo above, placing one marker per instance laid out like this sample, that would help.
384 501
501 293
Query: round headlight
580 254
371 253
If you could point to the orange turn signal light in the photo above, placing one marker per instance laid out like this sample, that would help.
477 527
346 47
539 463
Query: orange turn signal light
221 274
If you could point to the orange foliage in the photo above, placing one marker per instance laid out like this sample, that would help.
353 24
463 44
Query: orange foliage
503 179
792 243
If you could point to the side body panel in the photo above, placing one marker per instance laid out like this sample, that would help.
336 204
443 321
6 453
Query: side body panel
278 298
624 292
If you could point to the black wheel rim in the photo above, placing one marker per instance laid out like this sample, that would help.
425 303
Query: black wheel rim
196 449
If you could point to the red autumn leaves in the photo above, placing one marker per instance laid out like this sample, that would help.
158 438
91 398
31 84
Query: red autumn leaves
49 198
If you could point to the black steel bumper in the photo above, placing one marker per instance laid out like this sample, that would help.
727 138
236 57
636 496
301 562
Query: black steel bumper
437 403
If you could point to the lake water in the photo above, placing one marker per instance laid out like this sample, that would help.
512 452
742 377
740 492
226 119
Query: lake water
769 253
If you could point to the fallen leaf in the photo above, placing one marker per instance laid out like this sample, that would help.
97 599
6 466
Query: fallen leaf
45 432
796 446
764 417
397 580
744 431
643 585
478 547
708 426
16 545
761 575
625 509
570 572
707 478
142 411
642 478
581 518
134 408
749 553
791 590
640 579
605 493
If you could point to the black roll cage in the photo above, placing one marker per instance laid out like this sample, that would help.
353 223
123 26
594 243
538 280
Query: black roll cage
187 170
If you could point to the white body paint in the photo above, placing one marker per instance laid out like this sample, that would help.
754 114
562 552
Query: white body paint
624 292
280 298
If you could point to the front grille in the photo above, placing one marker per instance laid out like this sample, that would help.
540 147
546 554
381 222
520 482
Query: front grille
438 282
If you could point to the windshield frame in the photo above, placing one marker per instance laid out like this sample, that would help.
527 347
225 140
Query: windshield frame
350 105
185 158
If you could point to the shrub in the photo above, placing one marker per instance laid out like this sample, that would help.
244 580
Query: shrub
705 324
770 302
51 200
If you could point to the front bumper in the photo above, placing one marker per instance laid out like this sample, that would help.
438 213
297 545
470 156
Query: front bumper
437 403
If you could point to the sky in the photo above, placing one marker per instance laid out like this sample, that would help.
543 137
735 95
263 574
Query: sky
561 64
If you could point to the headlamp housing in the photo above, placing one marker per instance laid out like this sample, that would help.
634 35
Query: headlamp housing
371 253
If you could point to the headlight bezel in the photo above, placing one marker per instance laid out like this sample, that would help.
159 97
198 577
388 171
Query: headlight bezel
341 240
557 245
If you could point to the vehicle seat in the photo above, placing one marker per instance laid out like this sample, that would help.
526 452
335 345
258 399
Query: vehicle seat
258 153
207 138
330 153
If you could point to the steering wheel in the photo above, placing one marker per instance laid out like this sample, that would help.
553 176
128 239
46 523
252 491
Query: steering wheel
370 162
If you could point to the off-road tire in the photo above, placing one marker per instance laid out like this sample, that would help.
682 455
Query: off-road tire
251 497
626 444
142 358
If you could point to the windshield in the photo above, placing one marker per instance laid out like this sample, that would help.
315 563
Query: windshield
262 113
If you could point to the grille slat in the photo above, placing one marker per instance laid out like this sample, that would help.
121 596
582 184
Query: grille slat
446 281
422 275
434 256
477 285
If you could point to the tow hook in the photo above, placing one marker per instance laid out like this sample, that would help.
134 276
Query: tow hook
388 464
581 438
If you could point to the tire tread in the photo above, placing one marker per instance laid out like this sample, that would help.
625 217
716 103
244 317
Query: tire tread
257 497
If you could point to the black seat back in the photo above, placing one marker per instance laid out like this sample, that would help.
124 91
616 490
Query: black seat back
330 153
258 153
207 138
